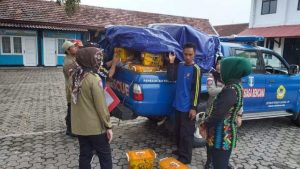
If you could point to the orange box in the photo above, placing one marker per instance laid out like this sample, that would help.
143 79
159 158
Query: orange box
143 69
171 163
141 159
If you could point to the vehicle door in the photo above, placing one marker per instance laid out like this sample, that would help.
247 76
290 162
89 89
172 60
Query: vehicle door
254 84
281 88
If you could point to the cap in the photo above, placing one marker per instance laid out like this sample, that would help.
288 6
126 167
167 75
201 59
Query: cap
67 45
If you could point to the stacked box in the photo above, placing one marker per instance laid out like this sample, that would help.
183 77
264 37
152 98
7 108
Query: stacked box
141 159
171 163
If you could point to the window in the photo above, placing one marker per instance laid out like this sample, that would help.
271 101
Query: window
11 45
299 5
251 55
60 42
268 6
17 44
6 47
273 64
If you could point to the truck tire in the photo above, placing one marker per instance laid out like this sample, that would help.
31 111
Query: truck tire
296 120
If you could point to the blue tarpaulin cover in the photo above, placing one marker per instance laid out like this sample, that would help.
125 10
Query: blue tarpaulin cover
139 39
161 38
207 46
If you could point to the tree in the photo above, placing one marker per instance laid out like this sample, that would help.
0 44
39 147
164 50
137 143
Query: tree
70 5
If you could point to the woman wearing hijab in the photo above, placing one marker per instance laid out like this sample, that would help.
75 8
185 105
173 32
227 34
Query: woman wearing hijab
90 117
220 127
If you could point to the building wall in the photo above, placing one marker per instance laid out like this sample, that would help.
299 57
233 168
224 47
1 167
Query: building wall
13 58
286 14
19 59
56 35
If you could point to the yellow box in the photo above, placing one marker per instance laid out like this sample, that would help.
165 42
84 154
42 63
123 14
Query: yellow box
121 53
150 59
143 69
141 159
171 163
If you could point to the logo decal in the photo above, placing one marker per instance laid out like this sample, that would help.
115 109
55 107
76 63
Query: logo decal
281 92
251 81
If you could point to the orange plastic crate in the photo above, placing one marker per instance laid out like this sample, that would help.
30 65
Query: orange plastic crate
141 159
171 163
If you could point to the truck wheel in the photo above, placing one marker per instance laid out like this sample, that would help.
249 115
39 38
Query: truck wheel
296 120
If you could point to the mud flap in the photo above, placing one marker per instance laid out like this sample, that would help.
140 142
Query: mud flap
123 113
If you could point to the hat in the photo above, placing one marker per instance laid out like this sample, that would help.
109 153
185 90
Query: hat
67 45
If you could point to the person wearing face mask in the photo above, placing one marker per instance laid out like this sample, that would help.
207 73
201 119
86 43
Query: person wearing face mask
69 62
90 117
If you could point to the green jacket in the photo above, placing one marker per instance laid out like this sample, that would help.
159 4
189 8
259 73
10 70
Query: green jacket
69 62
90 114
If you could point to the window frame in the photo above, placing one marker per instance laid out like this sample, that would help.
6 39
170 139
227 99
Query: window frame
57 46
260 68
277 56
13 45
269 5
12 51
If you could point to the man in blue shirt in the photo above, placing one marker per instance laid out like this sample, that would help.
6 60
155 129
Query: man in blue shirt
187 75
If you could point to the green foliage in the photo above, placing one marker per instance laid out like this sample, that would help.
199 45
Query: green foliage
71 6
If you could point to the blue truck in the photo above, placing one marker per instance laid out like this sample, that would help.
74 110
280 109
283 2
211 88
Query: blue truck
272 90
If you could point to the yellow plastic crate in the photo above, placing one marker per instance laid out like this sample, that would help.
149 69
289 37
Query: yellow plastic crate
143 69
121 53
171 163
141 159
150 59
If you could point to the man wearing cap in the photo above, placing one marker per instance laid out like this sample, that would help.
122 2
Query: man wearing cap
69 62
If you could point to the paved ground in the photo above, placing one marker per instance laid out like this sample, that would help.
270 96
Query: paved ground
32 110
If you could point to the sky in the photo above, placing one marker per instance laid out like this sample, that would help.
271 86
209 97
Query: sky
219 12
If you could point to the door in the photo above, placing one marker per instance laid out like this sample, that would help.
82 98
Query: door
254 84
291 51
50 52
281 88
30 51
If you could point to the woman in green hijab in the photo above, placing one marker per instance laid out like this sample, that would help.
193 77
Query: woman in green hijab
220 127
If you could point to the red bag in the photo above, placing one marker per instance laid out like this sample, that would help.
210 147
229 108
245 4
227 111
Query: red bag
111 98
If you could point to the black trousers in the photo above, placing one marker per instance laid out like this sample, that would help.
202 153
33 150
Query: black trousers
68 118
208 159
220 158
100 144
184 130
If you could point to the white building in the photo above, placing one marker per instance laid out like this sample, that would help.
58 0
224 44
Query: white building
279 22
